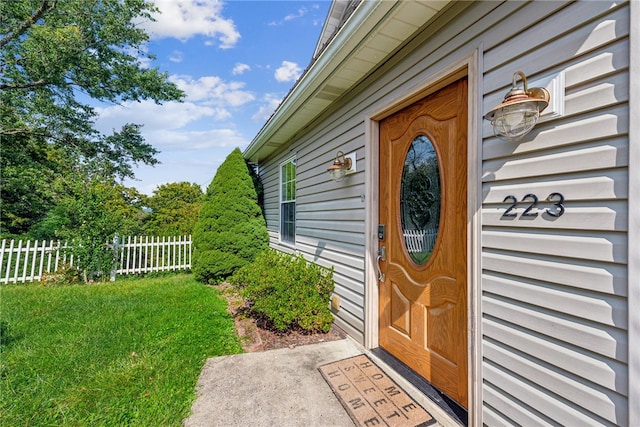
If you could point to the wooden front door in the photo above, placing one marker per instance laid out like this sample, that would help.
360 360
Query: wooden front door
423 245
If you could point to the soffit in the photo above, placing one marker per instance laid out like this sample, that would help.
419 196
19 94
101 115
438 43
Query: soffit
372 33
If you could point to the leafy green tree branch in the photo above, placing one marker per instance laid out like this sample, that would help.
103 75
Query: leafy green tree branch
54 55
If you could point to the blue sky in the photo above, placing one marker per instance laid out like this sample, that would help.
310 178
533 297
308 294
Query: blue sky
235 60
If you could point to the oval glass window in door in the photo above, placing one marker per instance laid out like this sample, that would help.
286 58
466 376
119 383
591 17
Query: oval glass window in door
420 199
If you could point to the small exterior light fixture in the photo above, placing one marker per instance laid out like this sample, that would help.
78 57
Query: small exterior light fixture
340 166
520 110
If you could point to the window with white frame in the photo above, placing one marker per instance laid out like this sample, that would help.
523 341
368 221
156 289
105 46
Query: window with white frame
288 201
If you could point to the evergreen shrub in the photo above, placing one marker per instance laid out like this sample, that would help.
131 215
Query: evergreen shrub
230 231
287 290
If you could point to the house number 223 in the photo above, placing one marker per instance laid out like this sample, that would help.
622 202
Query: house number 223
556 210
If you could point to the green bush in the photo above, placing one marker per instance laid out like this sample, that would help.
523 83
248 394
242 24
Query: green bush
288 290
230 231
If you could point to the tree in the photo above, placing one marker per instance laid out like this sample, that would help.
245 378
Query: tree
25 184
231 230
29 169
174 209
53 55
89 211
51 50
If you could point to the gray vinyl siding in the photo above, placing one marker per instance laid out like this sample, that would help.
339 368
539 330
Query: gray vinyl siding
554 307
329 215
553 297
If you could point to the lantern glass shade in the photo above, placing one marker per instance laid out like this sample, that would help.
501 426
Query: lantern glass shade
515 121
339 168
337 174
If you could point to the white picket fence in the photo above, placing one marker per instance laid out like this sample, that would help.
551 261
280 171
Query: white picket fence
143 254
27 261
420 240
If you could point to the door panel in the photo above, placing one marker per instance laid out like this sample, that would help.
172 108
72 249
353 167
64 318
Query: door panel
423 194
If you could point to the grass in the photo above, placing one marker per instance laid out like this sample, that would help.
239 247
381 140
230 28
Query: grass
123 353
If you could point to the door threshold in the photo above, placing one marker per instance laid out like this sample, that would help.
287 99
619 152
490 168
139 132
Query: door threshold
448 405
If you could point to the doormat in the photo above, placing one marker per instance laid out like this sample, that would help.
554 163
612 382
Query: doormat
372 398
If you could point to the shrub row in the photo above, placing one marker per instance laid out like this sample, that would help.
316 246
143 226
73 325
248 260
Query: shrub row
288 290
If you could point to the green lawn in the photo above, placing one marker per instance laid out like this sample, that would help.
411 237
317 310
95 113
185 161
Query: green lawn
123 353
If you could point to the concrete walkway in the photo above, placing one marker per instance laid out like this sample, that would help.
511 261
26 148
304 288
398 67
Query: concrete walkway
280 388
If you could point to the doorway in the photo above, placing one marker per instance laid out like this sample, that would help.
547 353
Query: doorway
423 238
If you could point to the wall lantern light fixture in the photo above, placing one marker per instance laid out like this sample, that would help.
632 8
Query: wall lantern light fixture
341 165
520 110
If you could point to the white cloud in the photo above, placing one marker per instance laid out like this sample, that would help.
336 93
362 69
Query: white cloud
288 72
145 63
181 165
266 110
195 140
141 55
170 126
184 19
292 16
176 56
165 126
240 68
213 90
170 115
301 12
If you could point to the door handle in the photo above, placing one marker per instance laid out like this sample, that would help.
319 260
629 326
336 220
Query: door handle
382 256
382 253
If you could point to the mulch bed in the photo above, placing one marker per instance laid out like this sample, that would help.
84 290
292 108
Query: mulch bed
257 334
